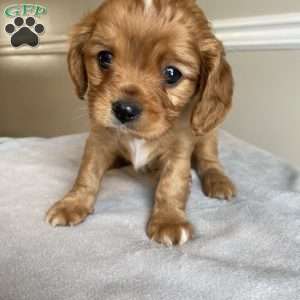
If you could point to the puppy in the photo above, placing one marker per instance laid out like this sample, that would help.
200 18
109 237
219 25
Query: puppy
158 86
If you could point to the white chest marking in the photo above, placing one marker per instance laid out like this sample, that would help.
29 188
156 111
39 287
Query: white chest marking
139 153
148 4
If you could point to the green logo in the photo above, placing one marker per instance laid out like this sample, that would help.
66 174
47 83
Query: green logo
23 10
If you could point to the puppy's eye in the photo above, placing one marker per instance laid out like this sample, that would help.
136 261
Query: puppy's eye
172 75
105 59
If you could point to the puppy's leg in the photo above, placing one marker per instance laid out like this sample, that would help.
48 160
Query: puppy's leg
79 202
168 224
215 183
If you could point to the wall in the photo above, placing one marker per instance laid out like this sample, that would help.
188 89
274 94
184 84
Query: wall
217 9
37 97
267 101
267 95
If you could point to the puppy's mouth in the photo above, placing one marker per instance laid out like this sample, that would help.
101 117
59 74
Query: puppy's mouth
125 127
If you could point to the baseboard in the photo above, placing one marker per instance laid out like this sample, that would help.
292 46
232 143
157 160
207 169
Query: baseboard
271 32
50 45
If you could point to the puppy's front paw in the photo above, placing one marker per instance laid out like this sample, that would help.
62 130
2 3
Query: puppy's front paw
217 185
67 213
169 233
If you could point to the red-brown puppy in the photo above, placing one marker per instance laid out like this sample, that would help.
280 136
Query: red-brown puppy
158 86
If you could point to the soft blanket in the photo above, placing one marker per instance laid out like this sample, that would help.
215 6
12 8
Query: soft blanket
245 249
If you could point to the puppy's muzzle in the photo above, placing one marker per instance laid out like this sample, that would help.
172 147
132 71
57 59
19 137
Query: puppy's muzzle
126 111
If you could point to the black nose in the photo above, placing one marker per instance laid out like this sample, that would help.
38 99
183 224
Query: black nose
126 111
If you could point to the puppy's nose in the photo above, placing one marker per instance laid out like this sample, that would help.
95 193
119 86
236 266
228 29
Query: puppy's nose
126 111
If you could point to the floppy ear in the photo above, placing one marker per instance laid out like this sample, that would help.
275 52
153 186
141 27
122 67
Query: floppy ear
216 96
79 36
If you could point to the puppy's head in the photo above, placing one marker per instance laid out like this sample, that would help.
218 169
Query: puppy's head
142 62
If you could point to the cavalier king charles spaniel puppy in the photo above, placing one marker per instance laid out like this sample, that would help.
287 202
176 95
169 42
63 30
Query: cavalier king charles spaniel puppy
158 86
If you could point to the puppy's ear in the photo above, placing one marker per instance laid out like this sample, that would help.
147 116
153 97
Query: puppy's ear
216 95
79 36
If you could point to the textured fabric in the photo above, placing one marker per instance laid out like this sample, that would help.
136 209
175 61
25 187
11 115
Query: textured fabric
246 249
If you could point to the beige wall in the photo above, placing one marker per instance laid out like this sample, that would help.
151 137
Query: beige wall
218 9
267 94
37 97
267 101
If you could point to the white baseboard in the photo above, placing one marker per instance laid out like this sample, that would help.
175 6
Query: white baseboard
57 44
271 32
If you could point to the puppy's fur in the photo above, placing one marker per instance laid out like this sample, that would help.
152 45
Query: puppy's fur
178 122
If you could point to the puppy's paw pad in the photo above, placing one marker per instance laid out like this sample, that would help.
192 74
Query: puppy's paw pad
170 234
217 185
67 214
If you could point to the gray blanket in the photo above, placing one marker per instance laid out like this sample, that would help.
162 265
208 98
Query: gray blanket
245 249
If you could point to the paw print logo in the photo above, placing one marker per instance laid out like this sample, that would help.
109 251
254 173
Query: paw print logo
24 32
